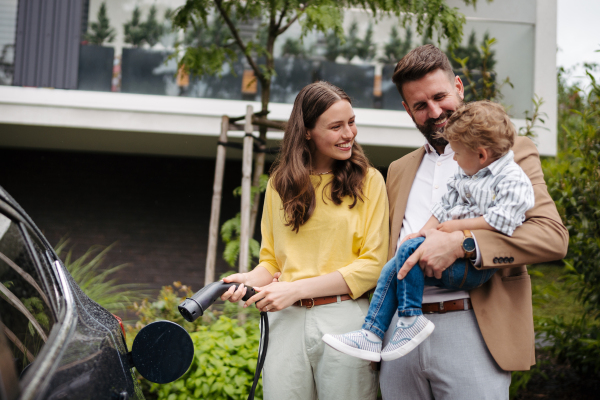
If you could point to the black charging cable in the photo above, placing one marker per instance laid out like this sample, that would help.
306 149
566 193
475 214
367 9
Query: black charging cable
194 307
262 351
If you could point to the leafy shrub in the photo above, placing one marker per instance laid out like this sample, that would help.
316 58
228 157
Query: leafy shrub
573 180
225 351
95 281
223 366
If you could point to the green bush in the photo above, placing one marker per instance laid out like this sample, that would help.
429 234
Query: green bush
95 280
225 350
224 363
573 179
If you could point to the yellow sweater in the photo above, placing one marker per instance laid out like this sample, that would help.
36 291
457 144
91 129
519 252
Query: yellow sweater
335 238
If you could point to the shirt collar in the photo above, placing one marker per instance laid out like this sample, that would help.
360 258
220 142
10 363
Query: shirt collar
430 149
499 164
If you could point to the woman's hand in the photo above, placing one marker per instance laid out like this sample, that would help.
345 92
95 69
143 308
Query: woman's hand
274 297
259 276
235 295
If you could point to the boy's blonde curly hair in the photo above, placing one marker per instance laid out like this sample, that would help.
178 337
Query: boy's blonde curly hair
481 124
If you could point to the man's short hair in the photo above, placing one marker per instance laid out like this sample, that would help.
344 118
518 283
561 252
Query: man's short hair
418 63
481 124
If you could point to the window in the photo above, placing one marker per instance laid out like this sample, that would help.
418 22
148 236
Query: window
25 308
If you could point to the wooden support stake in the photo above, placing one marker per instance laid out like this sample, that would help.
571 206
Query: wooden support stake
215 211
246 186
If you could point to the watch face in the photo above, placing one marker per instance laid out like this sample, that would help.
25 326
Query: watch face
469 244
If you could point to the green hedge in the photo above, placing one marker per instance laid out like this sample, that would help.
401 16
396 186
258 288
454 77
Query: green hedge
226 349
223 367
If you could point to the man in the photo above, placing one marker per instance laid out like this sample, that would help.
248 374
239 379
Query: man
481 335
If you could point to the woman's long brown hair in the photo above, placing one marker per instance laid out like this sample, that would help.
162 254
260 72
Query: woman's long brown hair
290 175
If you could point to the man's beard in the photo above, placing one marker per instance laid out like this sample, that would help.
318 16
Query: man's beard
430 132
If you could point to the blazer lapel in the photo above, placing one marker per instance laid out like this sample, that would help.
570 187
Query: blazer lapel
398 195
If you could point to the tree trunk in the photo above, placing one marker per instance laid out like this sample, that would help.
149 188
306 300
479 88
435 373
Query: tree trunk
259 160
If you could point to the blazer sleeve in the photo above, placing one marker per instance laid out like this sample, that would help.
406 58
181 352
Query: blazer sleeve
542 237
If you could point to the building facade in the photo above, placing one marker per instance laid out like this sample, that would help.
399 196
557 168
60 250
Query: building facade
106 143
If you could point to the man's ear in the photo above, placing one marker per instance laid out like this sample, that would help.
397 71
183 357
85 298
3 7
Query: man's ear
407 109
460 88
484 155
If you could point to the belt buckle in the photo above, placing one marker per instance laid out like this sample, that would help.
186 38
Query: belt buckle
308 307
442 310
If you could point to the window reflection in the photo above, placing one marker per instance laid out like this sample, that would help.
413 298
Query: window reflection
25 308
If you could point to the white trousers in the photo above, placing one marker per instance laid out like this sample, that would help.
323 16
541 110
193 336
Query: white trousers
300 366
453 363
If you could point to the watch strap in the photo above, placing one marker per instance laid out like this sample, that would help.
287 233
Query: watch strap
468 254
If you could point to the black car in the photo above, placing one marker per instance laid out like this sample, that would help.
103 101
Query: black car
55 342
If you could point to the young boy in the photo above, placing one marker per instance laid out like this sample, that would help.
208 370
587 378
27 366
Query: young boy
489 191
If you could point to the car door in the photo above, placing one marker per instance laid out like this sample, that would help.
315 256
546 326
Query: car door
63 344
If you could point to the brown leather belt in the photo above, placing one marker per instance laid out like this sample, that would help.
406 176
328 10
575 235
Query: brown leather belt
445 306
319 301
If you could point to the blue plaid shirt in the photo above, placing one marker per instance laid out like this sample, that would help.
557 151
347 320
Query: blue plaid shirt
501 193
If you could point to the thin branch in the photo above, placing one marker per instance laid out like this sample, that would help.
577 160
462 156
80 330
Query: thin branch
294 18
238 39
282 15
272 15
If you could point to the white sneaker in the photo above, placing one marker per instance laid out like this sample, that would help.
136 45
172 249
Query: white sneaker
407 338
355 344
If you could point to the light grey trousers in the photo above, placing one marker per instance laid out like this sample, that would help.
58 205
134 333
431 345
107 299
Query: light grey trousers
454 363
300 366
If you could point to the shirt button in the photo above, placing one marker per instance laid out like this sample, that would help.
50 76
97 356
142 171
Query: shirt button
468 194
439 163
436 186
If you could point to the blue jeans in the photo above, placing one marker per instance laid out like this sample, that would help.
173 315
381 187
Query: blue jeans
406 295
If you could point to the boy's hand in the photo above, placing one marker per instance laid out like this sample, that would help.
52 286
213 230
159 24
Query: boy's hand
450 226
411 236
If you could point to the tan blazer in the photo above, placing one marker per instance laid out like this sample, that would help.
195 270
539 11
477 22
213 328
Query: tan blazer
502 305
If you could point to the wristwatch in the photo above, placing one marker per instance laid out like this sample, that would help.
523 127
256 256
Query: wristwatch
468 244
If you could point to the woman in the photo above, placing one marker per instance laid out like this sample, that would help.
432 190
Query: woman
325 229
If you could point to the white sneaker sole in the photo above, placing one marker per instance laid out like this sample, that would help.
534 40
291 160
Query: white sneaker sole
409 346
351 351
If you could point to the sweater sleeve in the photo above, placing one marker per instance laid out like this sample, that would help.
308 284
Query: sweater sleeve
267 248
361 275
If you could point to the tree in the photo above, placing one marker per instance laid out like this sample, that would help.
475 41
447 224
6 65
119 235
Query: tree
366 48
277 16
477 67
352 43
294 48
333 46
138 33
134 31
100 31
153 30
396 48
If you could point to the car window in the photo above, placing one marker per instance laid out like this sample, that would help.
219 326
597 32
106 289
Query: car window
25 307
45 258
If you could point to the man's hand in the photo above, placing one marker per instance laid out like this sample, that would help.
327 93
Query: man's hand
436 253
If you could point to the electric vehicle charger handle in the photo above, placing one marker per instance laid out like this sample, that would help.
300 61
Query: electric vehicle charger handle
193 307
